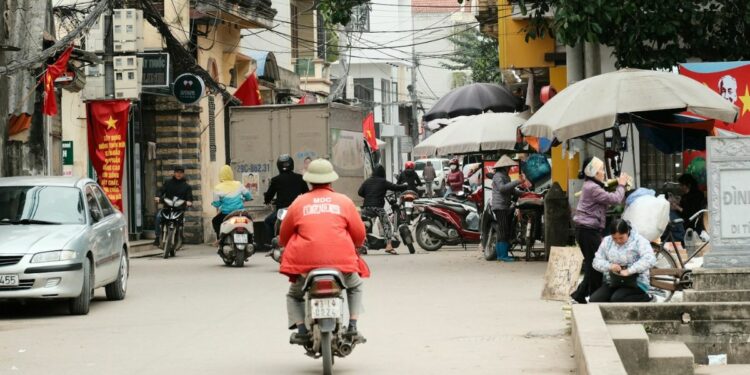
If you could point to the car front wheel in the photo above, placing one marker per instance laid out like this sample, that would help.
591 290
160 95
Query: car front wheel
80 304
116 290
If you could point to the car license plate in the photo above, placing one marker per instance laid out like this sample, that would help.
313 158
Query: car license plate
240 238
326 308
8 280
408 204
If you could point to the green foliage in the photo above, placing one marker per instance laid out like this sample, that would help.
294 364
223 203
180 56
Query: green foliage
648 33
337 12
476 52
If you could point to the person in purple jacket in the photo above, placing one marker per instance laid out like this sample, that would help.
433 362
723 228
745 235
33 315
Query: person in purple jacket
590 220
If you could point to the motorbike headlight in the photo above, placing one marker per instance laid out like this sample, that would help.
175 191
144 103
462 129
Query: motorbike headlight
53 256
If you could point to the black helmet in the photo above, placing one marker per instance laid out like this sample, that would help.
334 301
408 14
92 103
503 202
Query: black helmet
379 171
285 163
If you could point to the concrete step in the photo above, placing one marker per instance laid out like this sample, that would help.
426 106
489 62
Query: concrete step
143 248
632 344
706 279
717 295
723 370
669 357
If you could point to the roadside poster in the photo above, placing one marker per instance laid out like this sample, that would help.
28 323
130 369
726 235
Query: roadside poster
107 123
67 158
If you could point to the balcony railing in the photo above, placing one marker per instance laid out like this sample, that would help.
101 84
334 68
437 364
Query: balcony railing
248 14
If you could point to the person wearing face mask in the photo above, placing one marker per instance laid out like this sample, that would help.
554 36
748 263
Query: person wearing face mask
455 179
625 258
590 219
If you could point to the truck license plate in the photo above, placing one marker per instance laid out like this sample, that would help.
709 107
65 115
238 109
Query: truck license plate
240 238
8 280
326 308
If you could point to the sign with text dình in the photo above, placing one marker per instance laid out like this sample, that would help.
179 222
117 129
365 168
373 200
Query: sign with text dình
563 271
155 70
107 125
188 88
728 182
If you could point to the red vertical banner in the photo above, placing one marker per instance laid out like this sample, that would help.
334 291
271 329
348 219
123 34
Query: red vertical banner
107 123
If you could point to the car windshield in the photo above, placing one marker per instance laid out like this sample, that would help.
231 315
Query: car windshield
41 205
419 166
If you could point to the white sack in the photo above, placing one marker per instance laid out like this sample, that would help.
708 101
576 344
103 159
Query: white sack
649 216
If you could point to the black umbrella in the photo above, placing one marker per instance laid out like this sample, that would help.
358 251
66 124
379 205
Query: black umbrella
474 99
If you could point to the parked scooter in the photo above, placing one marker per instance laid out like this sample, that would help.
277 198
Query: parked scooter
172 223
236 238
399 221
324 317
450 221
276 249
528 212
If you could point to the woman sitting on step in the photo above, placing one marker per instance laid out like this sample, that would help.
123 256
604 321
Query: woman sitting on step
625 258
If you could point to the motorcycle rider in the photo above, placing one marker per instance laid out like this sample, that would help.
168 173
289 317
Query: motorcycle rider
409 177
229 196
286 187
373 190
176 186
322 229
502 192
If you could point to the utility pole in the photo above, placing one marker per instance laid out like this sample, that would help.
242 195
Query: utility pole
4 88
414 100
109 51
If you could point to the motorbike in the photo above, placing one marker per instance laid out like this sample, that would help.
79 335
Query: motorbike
399 220
449 221
276 250
236 238
324 317
527 224
172 222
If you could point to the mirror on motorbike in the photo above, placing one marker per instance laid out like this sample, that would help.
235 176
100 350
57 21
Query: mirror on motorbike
281 214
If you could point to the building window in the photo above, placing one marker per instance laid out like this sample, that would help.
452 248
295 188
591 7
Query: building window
360 20
364 89
385 100
118 76
658 167
131 76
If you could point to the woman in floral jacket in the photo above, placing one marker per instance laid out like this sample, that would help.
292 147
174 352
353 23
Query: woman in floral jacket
621 255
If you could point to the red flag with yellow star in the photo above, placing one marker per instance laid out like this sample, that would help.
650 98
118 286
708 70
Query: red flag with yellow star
368 129
731 80
249 91
107 122
50 75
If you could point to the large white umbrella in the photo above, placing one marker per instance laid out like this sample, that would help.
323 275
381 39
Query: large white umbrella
592 105
485 132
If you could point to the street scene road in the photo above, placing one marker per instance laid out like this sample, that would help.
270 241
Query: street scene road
447 312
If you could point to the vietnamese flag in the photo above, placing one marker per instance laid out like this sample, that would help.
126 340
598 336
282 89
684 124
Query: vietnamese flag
53 71
107 123
249 91
368 129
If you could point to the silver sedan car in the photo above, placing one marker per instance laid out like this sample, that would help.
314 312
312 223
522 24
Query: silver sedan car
60 238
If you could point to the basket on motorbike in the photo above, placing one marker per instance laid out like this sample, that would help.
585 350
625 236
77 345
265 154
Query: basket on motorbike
530 200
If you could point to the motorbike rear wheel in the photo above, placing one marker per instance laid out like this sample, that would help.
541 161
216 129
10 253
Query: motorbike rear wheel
325 351
425 239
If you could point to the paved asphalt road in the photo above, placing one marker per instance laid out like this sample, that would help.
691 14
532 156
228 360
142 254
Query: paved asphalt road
431 313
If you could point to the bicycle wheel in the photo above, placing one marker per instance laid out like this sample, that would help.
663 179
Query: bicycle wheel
663 286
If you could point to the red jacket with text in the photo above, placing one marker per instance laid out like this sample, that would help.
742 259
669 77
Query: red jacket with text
321 229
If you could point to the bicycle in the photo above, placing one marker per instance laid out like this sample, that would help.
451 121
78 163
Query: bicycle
670 275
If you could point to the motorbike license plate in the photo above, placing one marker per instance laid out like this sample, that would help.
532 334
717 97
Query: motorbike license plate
408 204
326 308
240 238
8 280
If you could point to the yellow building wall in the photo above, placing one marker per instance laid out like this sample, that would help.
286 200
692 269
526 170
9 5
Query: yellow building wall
177 16
563 169
514 51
